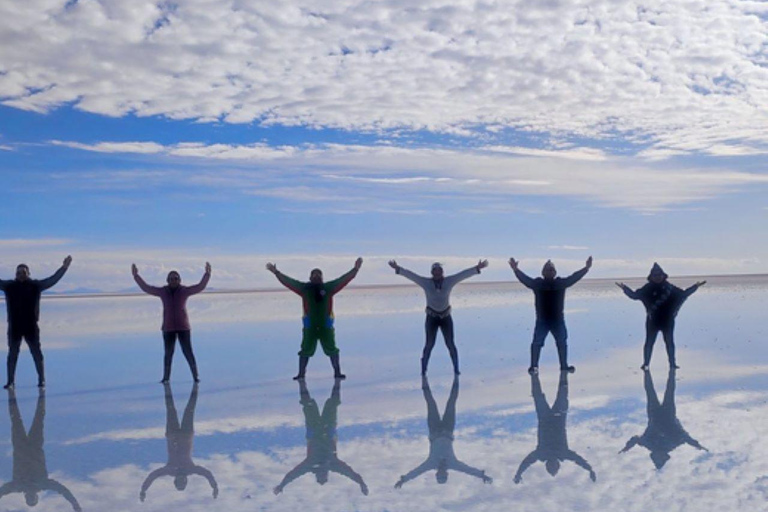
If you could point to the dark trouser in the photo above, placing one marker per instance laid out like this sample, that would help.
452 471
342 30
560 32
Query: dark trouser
445 324
32 336
652 329
559 332
169 337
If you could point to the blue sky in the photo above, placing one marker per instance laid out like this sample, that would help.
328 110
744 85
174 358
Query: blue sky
171 134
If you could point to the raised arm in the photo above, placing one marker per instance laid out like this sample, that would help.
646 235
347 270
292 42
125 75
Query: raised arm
690 291
527 281
629 292
576 276
337 284
411 276
52 280
152 290
289 282
197 288
467 273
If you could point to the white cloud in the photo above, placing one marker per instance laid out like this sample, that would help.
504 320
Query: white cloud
684 75
114 147
29 243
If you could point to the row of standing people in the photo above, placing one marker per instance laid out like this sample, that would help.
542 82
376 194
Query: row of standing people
661 299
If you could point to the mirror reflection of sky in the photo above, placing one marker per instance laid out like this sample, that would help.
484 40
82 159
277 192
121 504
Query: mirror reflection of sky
107 429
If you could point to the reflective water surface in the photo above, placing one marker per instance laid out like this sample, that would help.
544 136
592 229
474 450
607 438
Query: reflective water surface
105 435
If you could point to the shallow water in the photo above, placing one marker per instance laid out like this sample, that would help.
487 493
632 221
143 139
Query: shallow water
104 417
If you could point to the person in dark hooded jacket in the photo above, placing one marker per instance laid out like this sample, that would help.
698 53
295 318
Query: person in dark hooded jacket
662 301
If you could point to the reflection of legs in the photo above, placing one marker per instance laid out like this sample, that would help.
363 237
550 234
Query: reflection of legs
169 342
188 421
430 326
651 330
668 332
446 326
449 416
171 416
186 348
652 400
433 414
539 400
33 342
539 334
560 333
14 345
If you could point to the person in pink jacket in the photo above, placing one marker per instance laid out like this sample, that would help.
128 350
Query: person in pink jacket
175 319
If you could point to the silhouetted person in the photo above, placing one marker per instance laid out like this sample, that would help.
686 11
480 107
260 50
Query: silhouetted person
30 474
318 318
441 456
549 292
22 300
662 301
175 320
322 457
664 432
438 291
552 446
179 438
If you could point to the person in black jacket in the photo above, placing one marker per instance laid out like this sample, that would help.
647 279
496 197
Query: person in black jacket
549 291
662 301
22 300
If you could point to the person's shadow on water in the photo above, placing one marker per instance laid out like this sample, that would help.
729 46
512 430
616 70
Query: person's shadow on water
552 447
664 432
30 473
322 457
441 456
179 438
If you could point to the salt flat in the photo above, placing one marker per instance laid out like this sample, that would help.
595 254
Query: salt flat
105 417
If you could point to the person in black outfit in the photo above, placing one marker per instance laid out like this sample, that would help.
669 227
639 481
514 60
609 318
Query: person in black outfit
179 438
664 432
30 473
662 301
549 291
552 447
22 300
321 436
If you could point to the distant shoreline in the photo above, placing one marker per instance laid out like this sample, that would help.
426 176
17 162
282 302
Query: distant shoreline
716 279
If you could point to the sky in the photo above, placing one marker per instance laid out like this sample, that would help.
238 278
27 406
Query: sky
309 133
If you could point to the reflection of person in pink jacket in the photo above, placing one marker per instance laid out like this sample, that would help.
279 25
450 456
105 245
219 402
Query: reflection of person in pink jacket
175 319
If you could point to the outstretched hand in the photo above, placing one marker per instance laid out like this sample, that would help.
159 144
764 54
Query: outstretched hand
589 262
622 286
358 263
393 264
134 269
481 264
207 268
272 268
701 283
67 261
513 263
277 490
487 479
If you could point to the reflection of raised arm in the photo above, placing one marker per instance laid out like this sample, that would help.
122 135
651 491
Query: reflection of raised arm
576 276
521 276
418 470
205 473
9 487
52 280
303 468
289 282
154 475
632 294
342 468
457 465
53 485
525 464
203 282
633 441
152 290
581 462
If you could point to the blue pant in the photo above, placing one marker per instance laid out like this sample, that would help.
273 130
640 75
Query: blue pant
559 332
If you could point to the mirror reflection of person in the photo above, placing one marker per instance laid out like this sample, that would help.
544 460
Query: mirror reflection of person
662 301
664 432
30 473
22 301
441 456
437 289
322 457
175 320
552 446
549 294
179 439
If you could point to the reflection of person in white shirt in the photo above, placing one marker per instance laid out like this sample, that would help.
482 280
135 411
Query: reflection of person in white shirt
179 439
664 432
30 474
441 456
322 457
552 447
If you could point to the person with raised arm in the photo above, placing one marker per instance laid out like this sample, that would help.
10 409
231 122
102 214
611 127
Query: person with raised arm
175 319
22 301
549 292
438 292
662 301
317 298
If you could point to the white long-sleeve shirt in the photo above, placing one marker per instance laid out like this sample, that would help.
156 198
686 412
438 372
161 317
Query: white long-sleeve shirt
438 298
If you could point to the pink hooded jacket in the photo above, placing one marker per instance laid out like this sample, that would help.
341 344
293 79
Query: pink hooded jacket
174 302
